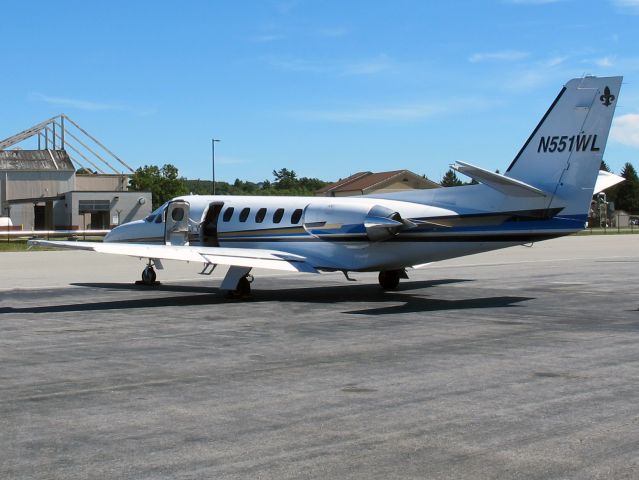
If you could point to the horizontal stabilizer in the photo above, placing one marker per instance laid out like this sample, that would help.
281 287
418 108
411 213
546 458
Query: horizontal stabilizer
505 185
606 180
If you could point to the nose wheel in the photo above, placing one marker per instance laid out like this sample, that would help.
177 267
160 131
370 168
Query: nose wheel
148 276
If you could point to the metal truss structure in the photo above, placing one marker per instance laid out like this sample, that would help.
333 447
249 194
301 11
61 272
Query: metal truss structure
85 151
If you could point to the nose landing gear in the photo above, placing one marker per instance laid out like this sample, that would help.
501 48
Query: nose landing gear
148 275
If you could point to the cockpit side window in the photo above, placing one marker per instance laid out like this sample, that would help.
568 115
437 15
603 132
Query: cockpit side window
157 215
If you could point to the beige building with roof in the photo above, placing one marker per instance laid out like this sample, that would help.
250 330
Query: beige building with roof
367 183
39 190
64 184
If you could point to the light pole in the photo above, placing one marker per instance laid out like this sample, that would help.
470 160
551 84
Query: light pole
213 140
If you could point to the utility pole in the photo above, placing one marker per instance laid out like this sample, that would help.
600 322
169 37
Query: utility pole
213 140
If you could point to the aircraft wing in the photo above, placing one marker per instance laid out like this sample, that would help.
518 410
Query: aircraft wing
241 257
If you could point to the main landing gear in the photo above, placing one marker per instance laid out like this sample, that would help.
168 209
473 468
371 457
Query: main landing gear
243 288
389 279
237 282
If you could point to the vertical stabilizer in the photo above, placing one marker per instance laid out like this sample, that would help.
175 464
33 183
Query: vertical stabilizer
563 154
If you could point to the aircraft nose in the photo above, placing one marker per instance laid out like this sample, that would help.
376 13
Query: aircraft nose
114 235
109 236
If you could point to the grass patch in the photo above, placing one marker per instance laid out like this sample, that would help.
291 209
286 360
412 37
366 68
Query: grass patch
609 231
20 245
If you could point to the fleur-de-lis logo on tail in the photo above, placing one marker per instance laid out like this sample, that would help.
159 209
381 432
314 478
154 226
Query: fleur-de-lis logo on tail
607 98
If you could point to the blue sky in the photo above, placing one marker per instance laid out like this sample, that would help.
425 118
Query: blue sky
326 88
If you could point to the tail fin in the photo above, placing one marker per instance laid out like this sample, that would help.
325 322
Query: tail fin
563 154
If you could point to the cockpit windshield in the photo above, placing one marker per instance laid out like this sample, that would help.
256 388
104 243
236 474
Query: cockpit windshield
157 215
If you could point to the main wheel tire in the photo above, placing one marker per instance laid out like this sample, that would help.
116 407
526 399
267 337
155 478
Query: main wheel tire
148 276
243 287
389 279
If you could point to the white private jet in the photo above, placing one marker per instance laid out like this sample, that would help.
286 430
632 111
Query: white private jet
545 193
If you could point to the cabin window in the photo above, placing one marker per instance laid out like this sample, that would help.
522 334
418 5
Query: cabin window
277 216
297 216
228 213
244 214
259 216
177 214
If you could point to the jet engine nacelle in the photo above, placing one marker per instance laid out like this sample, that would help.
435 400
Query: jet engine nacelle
339 221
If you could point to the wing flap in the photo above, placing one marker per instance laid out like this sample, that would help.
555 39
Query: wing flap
254 262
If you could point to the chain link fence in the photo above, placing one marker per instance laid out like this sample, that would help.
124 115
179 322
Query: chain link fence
617 222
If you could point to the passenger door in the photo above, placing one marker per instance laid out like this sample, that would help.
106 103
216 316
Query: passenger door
176 231
208 229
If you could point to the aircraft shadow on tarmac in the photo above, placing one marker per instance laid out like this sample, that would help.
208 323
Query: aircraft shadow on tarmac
374 300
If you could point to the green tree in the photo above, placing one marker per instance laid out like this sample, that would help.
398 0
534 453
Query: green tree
626 194
450 179
285 179
311 184
604 166
163 183
285 183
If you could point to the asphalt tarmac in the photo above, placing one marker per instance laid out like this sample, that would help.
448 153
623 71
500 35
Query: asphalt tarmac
519 364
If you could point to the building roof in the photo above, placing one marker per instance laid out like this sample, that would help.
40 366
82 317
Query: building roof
340 183
366 181
17 201
35 160
373 179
